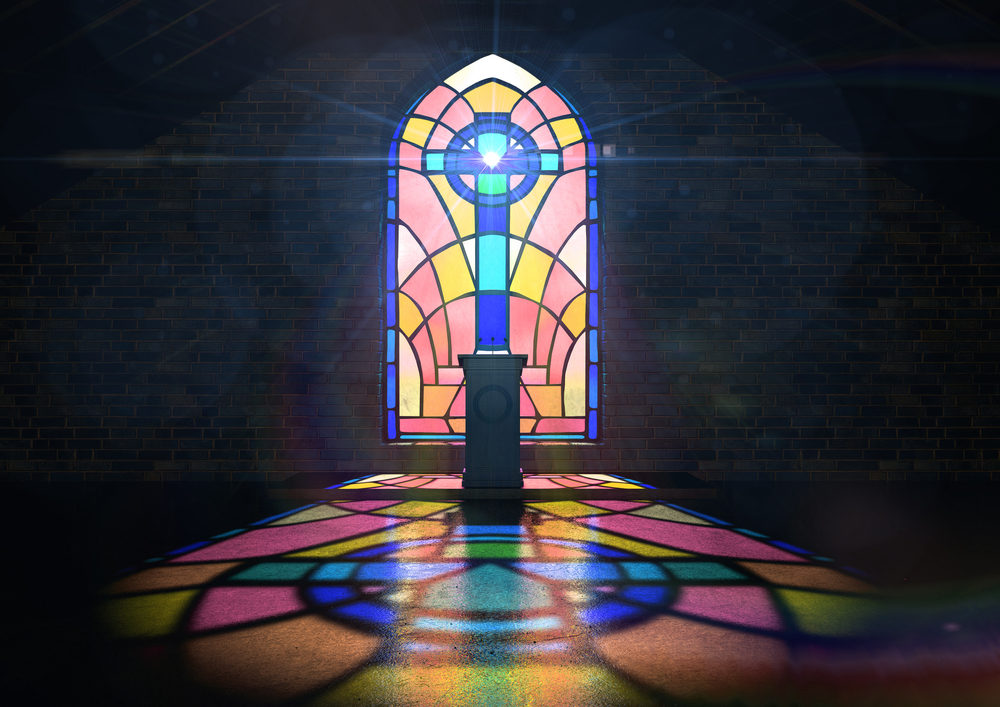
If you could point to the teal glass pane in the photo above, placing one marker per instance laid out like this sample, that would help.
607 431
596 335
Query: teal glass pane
435 161
492 266
491 183
491 142
550 161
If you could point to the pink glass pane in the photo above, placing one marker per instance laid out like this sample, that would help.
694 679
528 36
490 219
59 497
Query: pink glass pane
458 116
423 288
544 138
401 479
425 355
546 325
441 137
560 289
551 105
741 605
616 505
525 115
536 483
462 321
222 606
515 180
554 425
364 506
451 375
409 254
523 314
574 156
527 407
566 482
560 347
429 425
563 210
414 483
421 211
533 376
450 483
706 540
458 407
439 332
409 156
286 538
435 102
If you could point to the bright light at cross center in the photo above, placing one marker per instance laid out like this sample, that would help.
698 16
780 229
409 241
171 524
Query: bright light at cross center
492 159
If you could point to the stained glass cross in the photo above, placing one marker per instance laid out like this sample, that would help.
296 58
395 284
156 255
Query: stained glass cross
493 165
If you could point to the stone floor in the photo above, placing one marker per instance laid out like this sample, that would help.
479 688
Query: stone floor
604 591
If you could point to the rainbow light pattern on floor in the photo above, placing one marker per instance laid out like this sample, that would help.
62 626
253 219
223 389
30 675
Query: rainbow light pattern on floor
454 481
590 602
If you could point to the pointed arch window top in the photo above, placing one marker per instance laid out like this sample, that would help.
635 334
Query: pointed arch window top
492 67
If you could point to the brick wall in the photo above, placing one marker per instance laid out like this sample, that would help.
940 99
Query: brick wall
773 303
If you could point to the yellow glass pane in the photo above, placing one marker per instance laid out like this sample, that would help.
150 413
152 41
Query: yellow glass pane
547 399
829 614
437 399
453 273
463 212
575 317
568 509
415 509
521 212
532 269
147 615
409 380
409 316
567 131
417 131
361 486
492 97
575 381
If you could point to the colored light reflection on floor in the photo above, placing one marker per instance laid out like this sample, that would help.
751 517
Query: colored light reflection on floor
454 481
506 602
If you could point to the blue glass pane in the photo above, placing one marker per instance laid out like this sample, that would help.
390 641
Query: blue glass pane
593 209
492 319
394 571
592 385
492 262
390 310
790 547
430 623
390 389
392 188
390 257
591 154
610 611
368 612
592 309
646 595
390 210
593 256
392 425
390 346
592 188
592 425
328 595
489 530
491 219
593 346
590 571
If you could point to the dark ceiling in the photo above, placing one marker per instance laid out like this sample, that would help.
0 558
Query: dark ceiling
914 81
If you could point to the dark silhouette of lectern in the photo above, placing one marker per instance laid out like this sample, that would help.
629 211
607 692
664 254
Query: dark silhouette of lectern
492 420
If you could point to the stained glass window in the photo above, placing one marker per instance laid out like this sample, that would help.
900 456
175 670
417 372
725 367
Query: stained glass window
492 238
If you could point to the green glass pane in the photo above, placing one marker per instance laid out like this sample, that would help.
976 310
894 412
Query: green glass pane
491 183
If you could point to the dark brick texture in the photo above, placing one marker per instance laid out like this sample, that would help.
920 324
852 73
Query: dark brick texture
772 304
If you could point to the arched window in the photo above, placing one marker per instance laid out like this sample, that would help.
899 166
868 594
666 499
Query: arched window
492 246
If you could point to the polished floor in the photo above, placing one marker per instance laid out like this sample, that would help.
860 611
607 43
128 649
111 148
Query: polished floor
575 599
